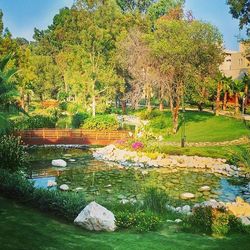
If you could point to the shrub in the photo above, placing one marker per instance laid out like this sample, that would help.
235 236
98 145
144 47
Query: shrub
64 122
65 205
78 119
148 115
220 223
155 200
201 220
13 157
140 221
101 122
34 122
14 185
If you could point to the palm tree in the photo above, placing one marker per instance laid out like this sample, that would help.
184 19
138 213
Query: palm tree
246 81
8 90
227 83
238 90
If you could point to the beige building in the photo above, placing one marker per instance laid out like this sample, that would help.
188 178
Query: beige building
236 63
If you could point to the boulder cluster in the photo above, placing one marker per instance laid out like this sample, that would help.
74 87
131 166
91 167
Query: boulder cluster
138 159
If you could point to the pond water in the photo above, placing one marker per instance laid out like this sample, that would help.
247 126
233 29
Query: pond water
110 181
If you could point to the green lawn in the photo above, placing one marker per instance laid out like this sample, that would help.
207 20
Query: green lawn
204 126
25 228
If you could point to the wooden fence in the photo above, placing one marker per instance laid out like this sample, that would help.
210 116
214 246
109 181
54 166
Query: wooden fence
71 136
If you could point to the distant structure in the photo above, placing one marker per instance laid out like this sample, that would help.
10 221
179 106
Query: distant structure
236 63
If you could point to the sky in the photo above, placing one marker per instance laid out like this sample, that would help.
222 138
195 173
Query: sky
22 16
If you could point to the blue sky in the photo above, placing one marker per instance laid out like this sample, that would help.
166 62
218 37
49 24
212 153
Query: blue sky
21 16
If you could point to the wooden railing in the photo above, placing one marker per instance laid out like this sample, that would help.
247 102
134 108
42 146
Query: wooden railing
71 136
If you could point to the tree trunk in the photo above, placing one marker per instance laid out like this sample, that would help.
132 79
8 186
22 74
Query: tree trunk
218 99
124 107
161 106
225 101
237 108
93 106
246 94
175 115
149 108
200 106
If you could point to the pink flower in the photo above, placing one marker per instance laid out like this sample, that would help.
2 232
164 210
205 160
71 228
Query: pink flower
137 145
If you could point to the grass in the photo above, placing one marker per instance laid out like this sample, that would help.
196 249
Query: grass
204 126
25 228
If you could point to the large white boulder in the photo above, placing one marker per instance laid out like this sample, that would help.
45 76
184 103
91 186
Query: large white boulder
59 163
95 217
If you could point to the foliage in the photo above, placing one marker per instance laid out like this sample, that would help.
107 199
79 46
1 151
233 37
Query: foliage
241 158
220 225
240 10
155 200
140 221
78 119
101 122
8 90
65 205
34 122
200 220
215 221
13 157
148 115
64 122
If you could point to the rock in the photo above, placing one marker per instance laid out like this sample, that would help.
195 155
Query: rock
186 209
245 221
204 188
51 183
178 221
96 217
124 201
59 163
64 187
186 196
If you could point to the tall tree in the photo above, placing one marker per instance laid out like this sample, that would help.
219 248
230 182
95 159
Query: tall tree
240 9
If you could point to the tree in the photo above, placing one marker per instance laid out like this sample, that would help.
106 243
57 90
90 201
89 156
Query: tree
8 91
240 9
183 48
238 89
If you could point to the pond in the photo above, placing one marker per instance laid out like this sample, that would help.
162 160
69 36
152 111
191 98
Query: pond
110 181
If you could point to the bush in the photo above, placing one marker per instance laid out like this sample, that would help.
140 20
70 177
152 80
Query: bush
14 185
155 200
148 115
64 122
13 157
65 205
220 223
34 122
101 122
201 220
78 119
210 221
140 221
